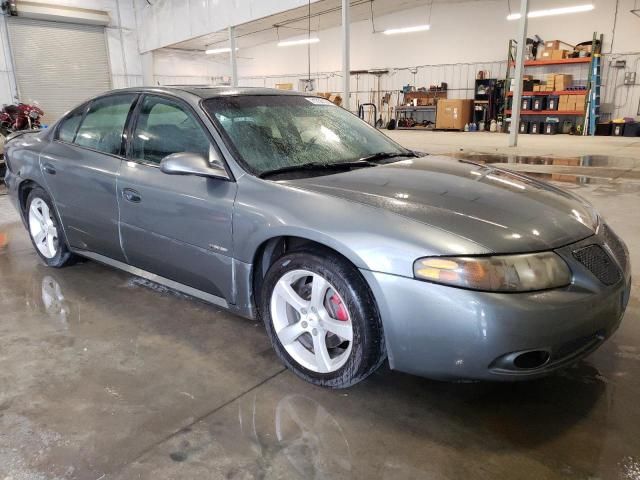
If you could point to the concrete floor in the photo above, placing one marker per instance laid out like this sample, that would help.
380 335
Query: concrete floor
105 376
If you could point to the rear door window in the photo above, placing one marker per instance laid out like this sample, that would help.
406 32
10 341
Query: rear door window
103 126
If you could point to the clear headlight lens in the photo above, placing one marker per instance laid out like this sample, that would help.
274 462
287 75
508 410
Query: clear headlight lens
500 273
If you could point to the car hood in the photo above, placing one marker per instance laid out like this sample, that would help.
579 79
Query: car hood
502 211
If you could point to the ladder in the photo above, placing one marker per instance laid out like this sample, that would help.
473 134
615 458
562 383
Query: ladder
593 87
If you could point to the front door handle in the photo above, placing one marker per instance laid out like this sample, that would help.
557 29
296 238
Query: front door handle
47 167
131 195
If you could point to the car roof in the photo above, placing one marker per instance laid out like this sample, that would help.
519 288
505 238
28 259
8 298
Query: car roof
211 91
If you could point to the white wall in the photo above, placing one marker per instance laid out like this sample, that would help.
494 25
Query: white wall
172 67
464 38
122 45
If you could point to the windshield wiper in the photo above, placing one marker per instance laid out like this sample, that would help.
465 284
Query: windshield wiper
387 155
317 166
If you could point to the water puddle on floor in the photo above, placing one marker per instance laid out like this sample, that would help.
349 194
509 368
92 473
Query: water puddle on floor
587 169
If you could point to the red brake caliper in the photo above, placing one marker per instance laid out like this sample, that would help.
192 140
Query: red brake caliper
338 308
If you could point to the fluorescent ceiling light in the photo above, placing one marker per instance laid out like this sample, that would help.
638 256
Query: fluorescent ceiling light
554 11
215 51
304 41
417 28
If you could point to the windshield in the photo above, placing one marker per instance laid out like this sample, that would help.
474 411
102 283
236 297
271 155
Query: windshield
274 132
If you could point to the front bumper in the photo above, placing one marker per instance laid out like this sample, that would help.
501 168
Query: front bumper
450 333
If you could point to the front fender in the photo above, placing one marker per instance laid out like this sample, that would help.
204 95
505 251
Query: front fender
371 238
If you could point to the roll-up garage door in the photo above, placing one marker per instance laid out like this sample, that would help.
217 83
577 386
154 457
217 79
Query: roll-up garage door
58 65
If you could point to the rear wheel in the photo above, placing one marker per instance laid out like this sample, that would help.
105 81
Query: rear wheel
321 318
45 231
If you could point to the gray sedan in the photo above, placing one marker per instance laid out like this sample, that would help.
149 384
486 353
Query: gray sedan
351 249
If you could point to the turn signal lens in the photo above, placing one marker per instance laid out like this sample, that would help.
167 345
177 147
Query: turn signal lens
501 273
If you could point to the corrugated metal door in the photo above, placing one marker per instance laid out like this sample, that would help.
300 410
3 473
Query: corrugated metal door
58 64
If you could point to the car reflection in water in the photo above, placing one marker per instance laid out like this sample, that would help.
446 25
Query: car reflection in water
308 436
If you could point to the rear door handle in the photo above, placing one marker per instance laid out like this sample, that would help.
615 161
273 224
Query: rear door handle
131 195
47 167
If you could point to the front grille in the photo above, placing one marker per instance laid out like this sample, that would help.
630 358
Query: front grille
596 260
616 246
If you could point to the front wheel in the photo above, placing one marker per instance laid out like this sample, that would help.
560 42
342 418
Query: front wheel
321 319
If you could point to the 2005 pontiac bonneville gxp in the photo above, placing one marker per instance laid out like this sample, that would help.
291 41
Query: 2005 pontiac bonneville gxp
350 248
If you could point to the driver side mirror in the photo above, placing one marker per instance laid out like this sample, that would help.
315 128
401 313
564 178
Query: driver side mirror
187 163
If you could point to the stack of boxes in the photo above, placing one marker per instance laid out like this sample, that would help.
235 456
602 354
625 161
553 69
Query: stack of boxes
553 51
554 82
572 103
549 82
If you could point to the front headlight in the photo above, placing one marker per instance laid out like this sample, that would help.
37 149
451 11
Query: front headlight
501 273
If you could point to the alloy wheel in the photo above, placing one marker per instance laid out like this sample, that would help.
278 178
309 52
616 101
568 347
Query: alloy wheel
311 321
42 228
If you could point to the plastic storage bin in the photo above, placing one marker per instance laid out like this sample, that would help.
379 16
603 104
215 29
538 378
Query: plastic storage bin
552 102
536 127
524 126
538 103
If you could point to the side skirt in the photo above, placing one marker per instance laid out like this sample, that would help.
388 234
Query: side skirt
193 292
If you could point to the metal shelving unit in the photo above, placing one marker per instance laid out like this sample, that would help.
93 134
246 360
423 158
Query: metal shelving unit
592 92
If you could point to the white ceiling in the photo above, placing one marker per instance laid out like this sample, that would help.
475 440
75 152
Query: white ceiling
294 23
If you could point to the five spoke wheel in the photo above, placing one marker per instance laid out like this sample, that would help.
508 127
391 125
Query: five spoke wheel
42 228
312 321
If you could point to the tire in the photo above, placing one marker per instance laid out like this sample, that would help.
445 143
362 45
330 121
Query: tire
53 251
298 333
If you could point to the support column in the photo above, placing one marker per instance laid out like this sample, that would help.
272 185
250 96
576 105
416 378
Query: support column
232 56
147 68
346 53
517 90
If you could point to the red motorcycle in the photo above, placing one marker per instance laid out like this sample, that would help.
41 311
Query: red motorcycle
14 118
20 117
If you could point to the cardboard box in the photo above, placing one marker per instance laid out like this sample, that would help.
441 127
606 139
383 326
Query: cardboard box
559 54
546 54
563 102
536 88
563 81
552 44
453 114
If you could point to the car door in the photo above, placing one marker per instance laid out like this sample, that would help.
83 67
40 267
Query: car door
175 226
80 167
